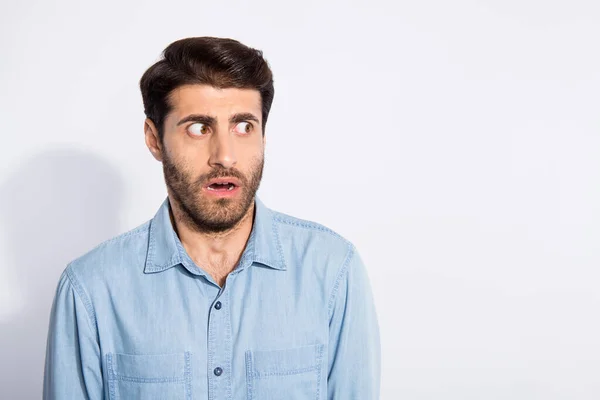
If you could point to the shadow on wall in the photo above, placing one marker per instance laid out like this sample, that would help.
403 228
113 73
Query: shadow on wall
53 208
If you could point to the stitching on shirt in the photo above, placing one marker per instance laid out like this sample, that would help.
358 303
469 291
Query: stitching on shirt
292 221
342 271
174 261
135 231
80 292
210 356
150 254
319 362
249 375
151 264
304 224
263 261
142 229
188 376
279 249
148 380
259 375
111 377
228 330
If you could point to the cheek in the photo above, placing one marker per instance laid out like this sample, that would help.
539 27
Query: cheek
252 152
189 159
192 171
250 163
180 168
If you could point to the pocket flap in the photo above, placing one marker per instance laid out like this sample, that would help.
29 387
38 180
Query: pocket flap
285 361
148 367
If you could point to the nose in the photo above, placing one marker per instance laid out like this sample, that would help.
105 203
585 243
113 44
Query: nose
222 150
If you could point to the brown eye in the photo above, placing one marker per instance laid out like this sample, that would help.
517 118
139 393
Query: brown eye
198 129
243 127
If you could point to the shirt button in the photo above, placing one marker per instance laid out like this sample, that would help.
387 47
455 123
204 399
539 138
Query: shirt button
218 305
218 371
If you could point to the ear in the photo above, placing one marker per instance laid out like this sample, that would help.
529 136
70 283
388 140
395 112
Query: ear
152 140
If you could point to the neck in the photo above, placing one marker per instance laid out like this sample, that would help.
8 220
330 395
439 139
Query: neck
217 253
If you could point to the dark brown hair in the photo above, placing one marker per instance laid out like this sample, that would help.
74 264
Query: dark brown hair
219 62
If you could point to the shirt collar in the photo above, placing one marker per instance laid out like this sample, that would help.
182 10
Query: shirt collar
165 250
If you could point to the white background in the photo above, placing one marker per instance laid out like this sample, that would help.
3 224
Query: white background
455 143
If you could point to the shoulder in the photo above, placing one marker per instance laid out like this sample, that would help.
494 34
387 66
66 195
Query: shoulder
308 230
108 258
316 244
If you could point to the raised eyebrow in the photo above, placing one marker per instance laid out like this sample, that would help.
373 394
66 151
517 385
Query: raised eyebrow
240 117
208 120
204 119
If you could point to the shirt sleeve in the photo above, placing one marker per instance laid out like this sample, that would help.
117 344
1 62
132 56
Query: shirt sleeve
354 342
73 366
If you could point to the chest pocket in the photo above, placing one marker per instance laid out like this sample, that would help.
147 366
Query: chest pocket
286 374
154 376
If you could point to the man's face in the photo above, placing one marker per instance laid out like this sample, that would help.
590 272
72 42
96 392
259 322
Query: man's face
213 133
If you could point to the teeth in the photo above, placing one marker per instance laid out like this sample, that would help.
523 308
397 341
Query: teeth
231 187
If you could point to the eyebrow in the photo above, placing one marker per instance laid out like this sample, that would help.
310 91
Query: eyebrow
209 120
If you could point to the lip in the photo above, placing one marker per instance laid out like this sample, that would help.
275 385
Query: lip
222 193
235 181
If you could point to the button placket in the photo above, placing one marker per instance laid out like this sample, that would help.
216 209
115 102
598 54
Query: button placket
219 347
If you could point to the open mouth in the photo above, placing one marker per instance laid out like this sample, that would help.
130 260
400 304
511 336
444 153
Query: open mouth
221 187
225 186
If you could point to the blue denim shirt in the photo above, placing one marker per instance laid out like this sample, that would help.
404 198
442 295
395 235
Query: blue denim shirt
136 318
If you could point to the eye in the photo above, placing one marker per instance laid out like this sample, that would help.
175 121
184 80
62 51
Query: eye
198 129
244 127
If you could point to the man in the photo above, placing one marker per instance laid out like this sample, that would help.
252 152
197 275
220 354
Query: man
217 296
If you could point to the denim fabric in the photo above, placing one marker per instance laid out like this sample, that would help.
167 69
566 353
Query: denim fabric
136 318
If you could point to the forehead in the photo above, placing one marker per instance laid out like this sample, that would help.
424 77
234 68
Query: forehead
205 99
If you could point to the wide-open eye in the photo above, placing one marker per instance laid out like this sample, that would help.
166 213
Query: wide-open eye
198 129
244 127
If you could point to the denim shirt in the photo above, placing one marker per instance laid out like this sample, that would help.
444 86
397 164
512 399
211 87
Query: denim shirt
136 318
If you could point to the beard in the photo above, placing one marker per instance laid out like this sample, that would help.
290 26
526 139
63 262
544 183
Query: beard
202 213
